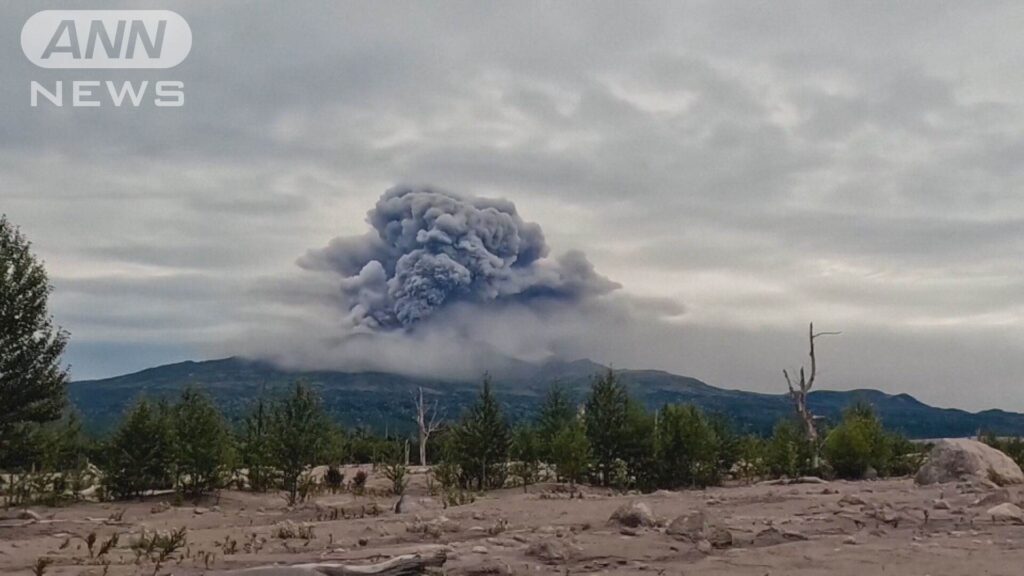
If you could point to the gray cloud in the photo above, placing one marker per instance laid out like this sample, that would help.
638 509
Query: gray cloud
854 164
431 248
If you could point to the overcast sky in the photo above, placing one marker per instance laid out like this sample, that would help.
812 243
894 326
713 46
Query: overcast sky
739 168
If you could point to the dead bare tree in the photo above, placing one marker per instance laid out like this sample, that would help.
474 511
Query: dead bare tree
798 393
428 419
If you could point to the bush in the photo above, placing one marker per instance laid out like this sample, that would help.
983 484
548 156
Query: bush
392 462
788 452
858 443
751 461
1012 447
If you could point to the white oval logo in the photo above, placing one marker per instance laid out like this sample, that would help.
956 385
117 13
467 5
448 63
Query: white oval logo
106 39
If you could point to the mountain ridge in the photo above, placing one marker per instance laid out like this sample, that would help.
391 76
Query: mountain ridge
383 401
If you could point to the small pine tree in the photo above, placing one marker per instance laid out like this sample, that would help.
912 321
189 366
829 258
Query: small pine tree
255 447
32 381
525 452
202 444
689 448
140 452
298 435
481 442
555 414
570 453
607 421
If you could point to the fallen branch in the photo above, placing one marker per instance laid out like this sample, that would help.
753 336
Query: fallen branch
405 565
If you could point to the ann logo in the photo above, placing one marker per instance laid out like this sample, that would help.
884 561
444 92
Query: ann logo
106 39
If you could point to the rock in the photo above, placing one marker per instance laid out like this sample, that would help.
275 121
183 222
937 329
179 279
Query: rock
696 527
871 473
1006 513
408 505
691 527
994 498
850 540
633 515
852 500
941 505
479 550
720 537
29 515
160 507
199 510
773 536
960 459
552 550
704 546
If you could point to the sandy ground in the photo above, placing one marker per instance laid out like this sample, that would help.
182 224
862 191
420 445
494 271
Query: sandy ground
838 528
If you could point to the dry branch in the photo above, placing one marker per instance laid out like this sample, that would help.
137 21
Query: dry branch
405 565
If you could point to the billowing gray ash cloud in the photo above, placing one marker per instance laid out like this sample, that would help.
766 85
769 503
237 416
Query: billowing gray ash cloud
430 249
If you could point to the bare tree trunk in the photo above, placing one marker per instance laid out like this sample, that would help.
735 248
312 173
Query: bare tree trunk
427 421
798 394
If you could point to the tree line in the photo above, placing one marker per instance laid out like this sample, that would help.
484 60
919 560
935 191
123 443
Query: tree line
607 440
189 447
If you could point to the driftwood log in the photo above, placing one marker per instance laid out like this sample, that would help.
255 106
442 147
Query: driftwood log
405 565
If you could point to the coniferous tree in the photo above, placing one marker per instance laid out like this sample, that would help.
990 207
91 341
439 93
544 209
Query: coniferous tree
482 441
637 448
606 419
525 451
32 381
688 448
555 414
299 429
255 447
570 453
140 454
202 444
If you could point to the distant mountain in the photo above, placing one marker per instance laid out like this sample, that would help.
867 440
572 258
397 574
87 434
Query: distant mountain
383 401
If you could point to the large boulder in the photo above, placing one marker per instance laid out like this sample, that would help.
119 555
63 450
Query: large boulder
633 515
954 460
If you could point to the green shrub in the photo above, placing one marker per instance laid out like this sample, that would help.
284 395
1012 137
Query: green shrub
1012 447
752 458
858 444
788 452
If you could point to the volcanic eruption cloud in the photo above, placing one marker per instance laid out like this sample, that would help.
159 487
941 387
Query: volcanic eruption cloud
430 249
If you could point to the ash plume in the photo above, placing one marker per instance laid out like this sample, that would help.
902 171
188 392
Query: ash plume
429 249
